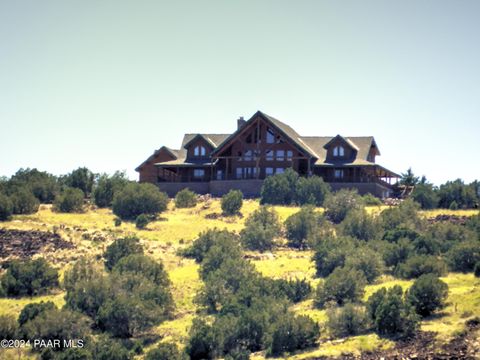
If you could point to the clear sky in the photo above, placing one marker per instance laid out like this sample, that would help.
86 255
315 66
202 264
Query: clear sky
103 83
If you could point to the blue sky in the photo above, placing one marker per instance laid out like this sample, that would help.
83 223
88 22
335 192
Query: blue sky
103 83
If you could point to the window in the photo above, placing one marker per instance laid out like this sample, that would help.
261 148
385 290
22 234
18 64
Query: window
219 174
248 155
289 155
338 173
279 170
198 173
280 155
270 136
338 151
239 173
200 151
250 172
268 171
269 155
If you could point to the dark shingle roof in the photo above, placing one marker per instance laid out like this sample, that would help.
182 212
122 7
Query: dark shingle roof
213 139
313 145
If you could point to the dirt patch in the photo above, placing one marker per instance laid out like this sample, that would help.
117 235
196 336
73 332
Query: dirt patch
24 244
424 346
454 219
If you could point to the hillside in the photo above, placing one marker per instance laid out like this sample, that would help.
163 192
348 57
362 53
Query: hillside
91 232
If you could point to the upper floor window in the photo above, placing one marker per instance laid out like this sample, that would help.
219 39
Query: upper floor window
269 155
289 155
248 156
200 151
280 155
338 151
270 136
269 171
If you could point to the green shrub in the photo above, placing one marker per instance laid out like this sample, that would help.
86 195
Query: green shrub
418 265
69 201
311 190
404 217
341 286
31 311
279 189
135 199
201 342
109 349
205 241
107 187
399 231
360 225
261 228
425 195
82 179
145 266
396 253
63 325
295 290
456 194
164 351
371 200
463 256
117 221
87 287
339 204
6 207
232 202
390 314
349 320
136 282
29 277
121 248
43 185
24 202
476 270
293 333
8 327
185 199
427 294
116 315
301 226
331 253
141 221
367 261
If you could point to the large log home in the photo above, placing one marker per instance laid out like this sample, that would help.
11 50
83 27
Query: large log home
261 147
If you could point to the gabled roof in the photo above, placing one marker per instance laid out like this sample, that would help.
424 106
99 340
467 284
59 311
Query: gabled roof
346 140
172 152
212 139
315 146
362 143
283 128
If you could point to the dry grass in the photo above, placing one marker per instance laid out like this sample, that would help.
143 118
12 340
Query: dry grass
178 227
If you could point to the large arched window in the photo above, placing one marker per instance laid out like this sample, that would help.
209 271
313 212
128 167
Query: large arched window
200 151
338 151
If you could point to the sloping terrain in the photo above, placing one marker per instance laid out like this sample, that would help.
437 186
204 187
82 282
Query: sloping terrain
73 235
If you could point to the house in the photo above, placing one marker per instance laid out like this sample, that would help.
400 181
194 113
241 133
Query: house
261 147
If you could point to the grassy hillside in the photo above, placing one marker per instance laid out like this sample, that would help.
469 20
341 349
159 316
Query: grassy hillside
92 231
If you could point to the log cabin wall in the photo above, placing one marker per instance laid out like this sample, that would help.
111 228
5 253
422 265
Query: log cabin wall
148 171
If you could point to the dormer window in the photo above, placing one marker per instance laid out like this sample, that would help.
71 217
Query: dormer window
200 151
338 151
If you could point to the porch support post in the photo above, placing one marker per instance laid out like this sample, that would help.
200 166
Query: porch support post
309 170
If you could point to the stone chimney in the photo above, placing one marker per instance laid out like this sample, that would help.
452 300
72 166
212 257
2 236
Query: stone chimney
240 122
